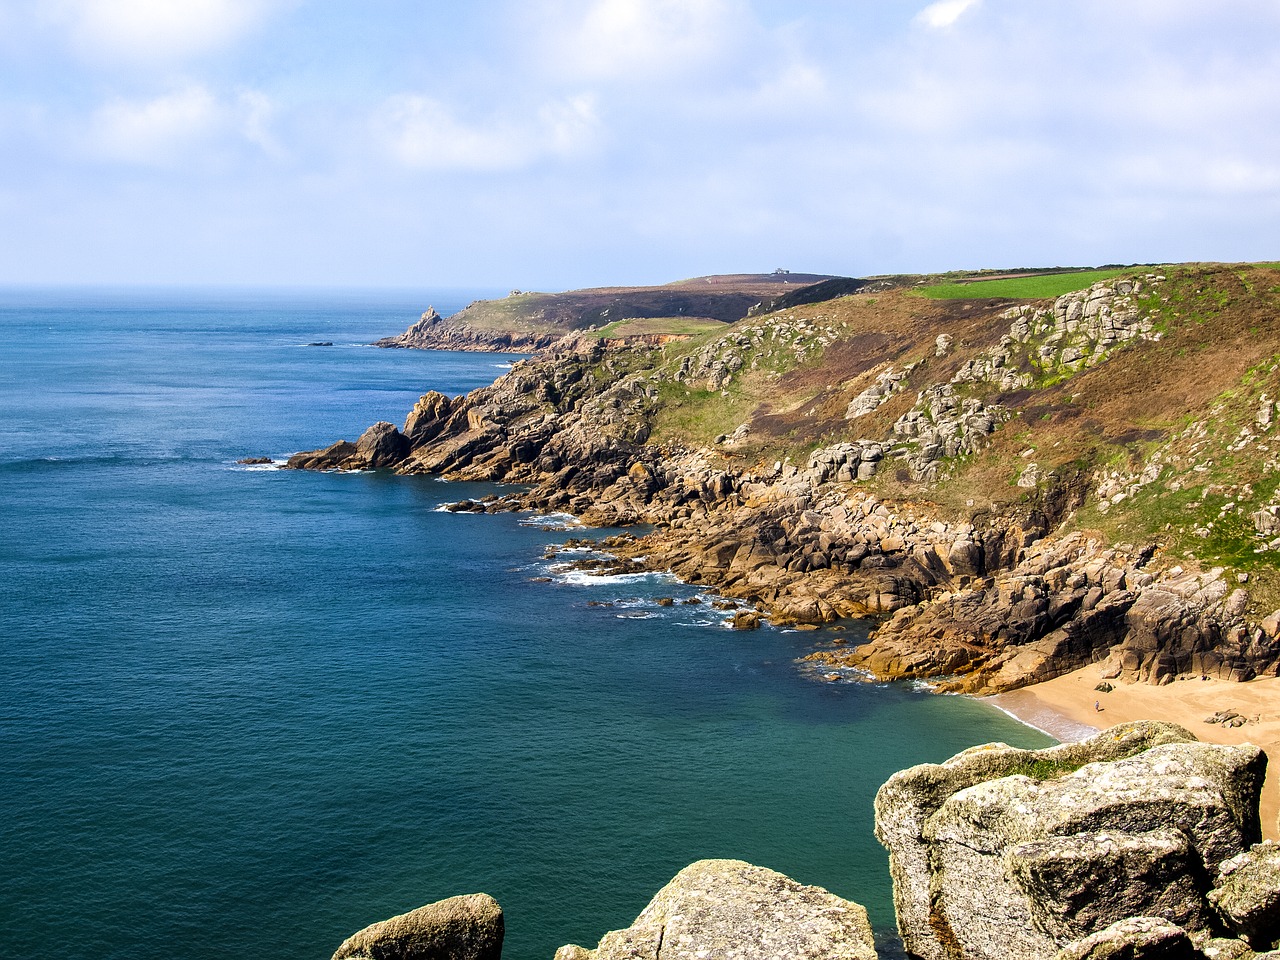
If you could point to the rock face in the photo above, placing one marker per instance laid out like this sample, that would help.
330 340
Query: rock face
731 909
460 928
1004 853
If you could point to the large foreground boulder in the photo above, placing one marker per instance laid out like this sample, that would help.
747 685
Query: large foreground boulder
1247 897
728 908
460 928
1003 853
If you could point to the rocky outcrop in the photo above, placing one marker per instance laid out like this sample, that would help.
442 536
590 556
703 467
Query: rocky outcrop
1006 853
728 908
460 928
434 332
380 446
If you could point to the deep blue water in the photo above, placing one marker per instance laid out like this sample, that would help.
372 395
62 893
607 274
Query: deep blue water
245 712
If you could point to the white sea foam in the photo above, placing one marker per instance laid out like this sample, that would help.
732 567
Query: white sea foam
585 578
1051 724
561 521
260 467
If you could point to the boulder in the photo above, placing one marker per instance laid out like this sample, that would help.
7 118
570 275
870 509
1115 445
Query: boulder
1247 897
728 908
1135 938
382 445
1013 853
460 928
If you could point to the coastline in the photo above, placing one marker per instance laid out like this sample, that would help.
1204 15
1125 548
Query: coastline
1064 708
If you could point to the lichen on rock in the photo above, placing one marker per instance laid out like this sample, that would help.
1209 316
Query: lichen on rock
459 928
731 910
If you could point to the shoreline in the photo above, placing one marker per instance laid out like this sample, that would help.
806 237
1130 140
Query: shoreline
1064 708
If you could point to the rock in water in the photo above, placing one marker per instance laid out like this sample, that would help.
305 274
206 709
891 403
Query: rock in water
728 908
1003 853
382 445
460 928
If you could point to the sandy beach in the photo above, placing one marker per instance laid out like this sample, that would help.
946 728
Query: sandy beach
1065 708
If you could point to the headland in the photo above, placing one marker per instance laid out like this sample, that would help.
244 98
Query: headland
1015 477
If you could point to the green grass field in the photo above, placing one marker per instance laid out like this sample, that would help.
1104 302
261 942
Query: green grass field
1022 288
660 326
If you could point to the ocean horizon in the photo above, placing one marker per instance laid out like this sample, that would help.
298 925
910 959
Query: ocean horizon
250 711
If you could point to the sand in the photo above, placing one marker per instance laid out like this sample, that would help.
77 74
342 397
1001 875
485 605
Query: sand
1064 708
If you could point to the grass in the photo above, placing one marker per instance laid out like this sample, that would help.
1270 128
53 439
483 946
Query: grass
659 326
1044 768
1022 288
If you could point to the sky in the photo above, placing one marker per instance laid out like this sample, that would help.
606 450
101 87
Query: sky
554 144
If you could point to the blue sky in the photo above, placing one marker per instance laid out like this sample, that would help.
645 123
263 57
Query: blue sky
548 144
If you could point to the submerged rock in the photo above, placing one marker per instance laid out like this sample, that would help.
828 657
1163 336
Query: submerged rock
460 928
728 908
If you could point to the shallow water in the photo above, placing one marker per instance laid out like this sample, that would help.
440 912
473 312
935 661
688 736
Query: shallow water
248 711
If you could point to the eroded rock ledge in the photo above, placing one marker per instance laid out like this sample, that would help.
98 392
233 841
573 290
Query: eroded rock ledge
1140 842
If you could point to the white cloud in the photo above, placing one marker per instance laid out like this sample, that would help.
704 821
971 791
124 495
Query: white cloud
423 133
179 125
156 30
945 12
607 39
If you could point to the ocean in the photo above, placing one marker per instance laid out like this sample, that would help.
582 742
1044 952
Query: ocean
246 711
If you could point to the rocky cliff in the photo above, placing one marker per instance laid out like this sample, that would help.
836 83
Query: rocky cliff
1139 843
1014 489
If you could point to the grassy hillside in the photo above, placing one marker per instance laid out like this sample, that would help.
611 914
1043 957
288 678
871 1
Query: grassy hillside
1035 287
1169 434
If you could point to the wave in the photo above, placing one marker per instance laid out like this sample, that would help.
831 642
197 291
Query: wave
34 464
1046 720
556 521
258 467
585 578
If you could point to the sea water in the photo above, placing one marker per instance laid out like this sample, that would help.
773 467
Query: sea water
247 711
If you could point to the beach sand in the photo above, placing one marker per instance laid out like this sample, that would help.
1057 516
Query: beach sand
1064 708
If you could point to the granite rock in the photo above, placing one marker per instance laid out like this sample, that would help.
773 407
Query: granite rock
1134 938
730 909
1247 897
460 928
992 853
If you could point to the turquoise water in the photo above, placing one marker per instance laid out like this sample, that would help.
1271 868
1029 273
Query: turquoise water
246 711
